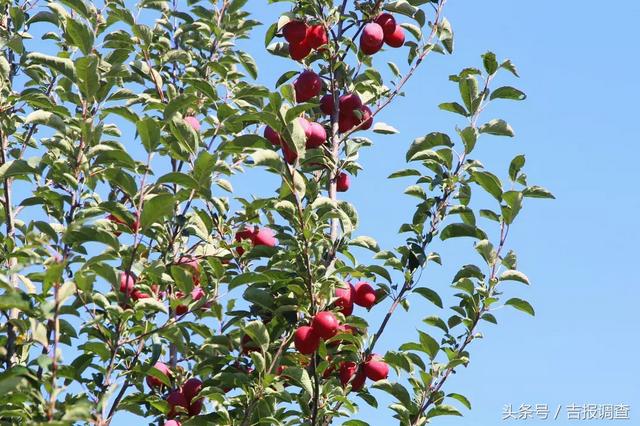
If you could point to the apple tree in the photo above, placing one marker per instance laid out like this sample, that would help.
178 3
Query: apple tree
136 279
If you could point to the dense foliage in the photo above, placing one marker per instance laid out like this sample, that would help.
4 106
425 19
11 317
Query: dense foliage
140 283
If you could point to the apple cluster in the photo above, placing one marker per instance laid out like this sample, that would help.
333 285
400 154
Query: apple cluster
181 400
303 38
382 30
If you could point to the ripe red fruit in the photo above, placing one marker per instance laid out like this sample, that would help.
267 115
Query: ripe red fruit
172 423
347 370
290 156
307 86
387 22
264 237
247 345
154 382
272 136
182 309
176 399
345 299
197 293
193 122
127 283
316 135
191 387
376 369
294 31
366 118
346 122
342 182
349 102
370 50
317 36
326 104
372 35
325 324
299 50
306 340
364 295
196 407
395 39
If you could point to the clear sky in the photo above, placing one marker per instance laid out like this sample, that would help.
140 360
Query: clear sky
578 129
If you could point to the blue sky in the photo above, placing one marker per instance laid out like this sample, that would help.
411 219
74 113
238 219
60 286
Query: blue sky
579 132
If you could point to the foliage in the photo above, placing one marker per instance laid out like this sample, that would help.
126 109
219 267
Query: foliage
114 260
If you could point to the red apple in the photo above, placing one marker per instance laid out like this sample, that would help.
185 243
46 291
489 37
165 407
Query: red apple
342 182
350 102
154 382
191 387
370 50
127 283
346 122
172 423
326 104
299 50
176 399
290 156
307 86
365 295
264 237
272 136
366 118
316 135
376 369
349 369
193 122
395 39
325 324
345 299
306 340
317 36
294 31
196 407
372 35
387 22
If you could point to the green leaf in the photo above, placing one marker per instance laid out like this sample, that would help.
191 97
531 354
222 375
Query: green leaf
80 34
490 63
427 142
88 78
429 344
365 242
456 230
537 192
468 91
454 107
63 66
516 165
489 182
514 275
17 168
384 128
508 92
149 132
521 305
258 333
416 191
460 398
430 295
300 377
45 118
508 65
156 208
497 127
151 304
443 410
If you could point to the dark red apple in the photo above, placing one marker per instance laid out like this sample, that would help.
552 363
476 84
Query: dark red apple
376 369
396 38
294 31
325 324
191 387
154 382
346 122
342 182
307 86
299 50
350 102
366 118
387 22
364 295
264 237
372 35
272 136
347 370
172 423
196 407
345 299
176 399
326 104
290 156
370 50
306 340
317 36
